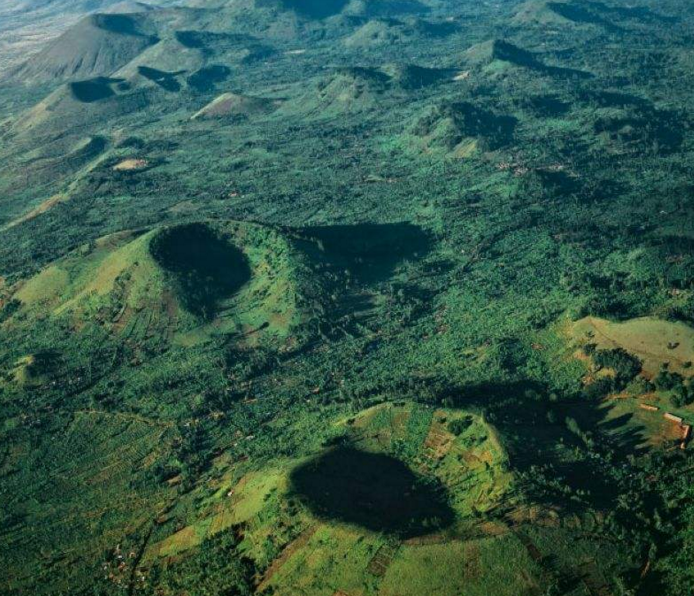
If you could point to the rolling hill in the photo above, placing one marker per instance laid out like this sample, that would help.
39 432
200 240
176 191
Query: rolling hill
346 298
28 25
231 104
179 279
79 105
459 128
96 46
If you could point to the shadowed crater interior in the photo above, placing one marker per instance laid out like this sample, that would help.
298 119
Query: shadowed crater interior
372 490
206 266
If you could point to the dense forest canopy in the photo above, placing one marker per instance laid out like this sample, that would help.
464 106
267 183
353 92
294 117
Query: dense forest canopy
346 297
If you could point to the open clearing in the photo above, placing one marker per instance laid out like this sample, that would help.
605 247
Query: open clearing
131 165
653 341
47 205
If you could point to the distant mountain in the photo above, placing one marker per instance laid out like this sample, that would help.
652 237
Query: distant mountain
27 25
316 9
98 45
498 55
320 9
129 7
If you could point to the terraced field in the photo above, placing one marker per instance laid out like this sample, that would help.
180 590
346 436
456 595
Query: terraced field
346 297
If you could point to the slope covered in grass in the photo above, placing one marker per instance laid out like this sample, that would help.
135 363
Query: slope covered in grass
366 298
232 104
196 280
96 46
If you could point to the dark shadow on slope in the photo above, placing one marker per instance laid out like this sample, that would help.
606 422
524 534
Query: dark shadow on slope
197 40
412 77
374 491
322 9
116 23
448 124
206 78
558 184
656 130
641 14
245 48
582 15
93 90
370 251
599 13
639 123
539 434
396 8
613 99
547 106
166 80
508 52
433 29
206 267
363 75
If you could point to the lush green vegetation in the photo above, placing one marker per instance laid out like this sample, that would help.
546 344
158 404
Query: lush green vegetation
348 298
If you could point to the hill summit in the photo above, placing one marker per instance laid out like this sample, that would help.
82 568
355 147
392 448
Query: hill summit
98 45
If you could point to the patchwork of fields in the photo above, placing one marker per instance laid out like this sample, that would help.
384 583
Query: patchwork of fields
346 298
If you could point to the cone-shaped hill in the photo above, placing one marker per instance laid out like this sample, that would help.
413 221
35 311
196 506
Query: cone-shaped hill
198 58
320 9
353 89
96 46
540 12
381 32
87 106
498 56
345 90
460 128
78 105
235 105
182 283
191 283
563 13
486 53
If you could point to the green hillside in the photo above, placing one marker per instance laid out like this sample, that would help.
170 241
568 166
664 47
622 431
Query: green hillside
346 298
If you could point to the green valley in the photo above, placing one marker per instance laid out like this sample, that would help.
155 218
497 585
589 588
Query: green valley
346 298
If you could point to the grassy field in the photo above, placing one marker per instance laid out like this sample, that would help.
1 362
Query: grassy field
655 342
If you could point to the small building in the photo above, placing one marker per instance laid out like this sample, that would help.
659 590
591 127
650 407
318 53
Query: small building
649 407
673 418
